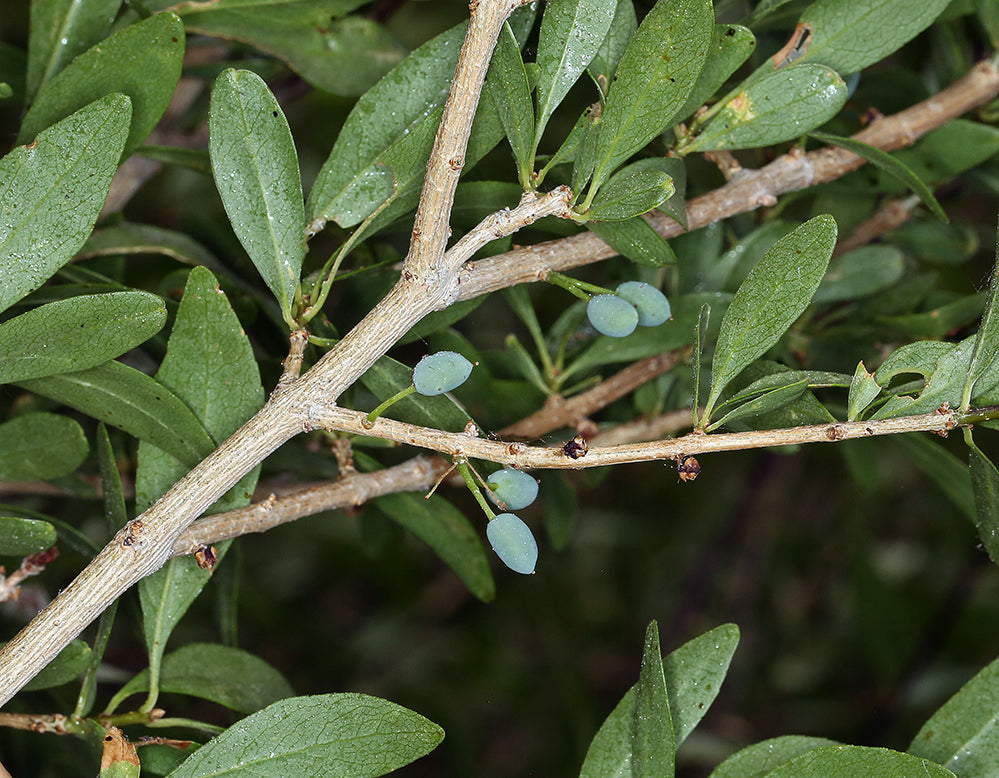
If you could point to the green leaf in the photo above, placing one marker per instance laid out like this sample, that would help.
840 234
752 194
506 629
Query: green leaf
387 377
622 28
653 748
653 80
571 34
856 761
984 354
694 674
53 192
341 54
770 400
446 530
507 86
360 171
863 390
61 30
985 484
731 45
256 173
23 537
609 753
132 401
88 684
209 364
41 446
229 676
629 192
67 666
74 334
860 273
635 239
889 164
850 36
943 384
133 238
779 106
774 294
766 756
142 61
346 735
963 735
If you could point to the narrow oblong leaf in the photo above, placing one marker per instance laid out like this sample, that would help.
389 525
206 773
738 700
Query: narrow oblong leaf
779 106
41 446
229 676
22 537
774 294
985 485
860 273
986 350
256 173
142 61
132 401
762 758
653 747
507 86
656 74
371 737
209 365
635 239
766 402
730 46
446 530
850 36
622 27
963 734
858 760
629 193
60 30
891 165
341 54
397 106
571 33
78 333
52 192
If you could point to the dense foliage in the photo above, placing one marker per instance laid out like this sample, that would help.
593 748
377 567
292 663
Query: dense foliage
687 233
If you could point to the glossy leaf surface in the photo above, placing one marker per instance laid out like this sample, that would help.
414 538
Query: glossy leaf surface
857 760
653 80
346 735
635 239
132 401
256 173
22 537
778 107
762 758
507 87
850 36
78 333
731 45
61 30
141 61
774 294
53 192
608 55
630 193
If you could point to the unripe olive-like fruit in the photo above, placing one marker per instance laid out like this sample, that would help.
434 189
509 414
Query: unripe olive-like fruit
513 488
651 304
612 315
440 372
513 542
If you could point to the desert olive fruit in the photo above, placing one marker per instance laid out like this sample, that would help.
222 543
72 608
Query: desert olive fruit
612 315
440 372
513 488
651 304
513 542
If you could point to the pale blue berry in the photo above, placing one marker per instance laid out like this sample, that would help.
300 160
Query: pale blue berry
513 542
652 305
514 488
612 315
440 372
